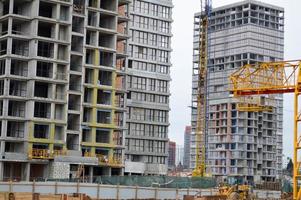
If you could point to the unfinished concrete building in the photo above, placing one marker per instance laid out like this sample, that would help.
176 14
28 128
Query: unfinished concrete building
148 87
246 146
62 87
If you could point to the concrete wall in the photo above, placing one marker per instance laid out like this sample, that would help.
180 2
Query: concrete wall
114 192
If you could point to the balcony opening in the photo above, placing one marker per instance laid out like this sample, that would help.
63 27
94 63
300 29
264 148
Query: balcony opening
79 7
92 3
118 119
60 92
88 95
14 147
106 59
19 67
76 63
107 21
103 117
103 154
1 88
89 76
63 33
44 69
59 132
106 40
87 135
74 102
46 29
42 110
91 38
64 13
61 72
5 7
47 10
16 108
102 136
108 5
62 52
41 131
72 142
3 47
104 97
22 7
17 88
92 18
59 112
87 114
117 138
20 47
77 24
45 49
121 64
15 129
42 90
20 27
77 44
119 100
120 82
90 56
4 27
105 78
73 122
75 81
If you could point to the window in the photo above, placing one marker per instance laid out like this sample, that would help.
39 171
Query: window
152 54
162 86
153 24
163 56
141 52
142 22
164 27
154 9
164 41
104 117
139 83
153 39
142 37
152 84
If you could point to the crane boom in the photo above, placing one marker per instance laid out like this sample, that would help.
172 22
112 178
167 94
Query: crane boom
275 78
200 133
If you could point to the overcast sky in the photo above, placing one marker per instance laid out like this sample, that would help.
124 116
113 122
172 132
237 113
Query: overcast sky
181 70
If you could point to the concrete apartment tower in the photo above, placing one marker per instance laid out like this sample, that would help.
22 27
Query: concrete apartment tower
187 143
62 87
148 87
241 145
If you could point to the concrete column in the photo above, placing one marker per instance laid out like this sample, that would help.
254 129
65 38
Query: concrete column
25 171
91 174
1 170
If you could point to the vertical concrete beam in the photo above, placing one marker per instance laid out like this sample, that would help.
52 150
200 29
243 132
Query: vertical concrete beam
91 174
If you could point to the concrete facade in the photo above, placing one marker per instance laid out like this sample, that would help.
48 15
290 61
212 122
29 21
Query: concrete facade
187 138
62 86
241 145
172 147
148 87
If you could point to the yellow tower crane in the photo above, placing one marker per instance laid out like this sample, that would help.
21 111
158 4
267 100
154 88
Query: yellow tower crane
274 78
200 133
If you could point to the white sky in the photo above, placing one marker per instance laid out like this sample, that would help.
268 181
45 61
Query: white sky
181 70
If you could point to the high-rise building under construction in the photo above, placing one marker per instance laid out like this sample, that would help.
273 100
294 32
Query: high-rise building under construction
148 87
240 145
63 88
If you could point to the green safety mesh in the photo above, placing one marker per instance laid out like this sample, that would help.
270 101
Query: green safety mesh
158 181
